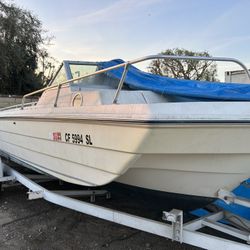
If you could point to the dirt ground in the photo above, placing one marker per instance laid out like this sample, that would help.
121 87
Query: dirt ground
38 224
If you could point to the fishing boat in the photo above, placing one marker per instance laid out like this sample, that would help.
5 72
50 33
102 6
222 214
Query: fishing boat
99 122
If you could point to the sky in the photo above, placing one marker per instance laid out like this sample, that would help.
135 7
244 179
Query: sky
103 30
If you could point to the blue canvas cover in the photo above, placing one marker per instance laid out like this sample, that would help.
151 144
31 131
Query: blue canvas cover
137 79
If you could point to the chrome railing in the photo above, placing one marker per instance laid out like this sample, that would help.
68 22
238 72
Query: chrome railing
28 104
126 67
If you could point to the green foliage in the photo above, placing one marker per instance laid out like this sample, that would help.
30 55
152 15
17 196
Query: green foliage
184 69
47 67
21 37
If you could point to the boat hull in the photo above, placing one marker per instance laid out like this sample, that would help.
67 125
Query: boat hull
195 158
190 182
32 142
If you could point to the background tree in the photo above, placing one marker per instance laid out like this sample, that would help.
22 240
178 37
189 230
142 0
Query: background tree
185 69
21 45
47 66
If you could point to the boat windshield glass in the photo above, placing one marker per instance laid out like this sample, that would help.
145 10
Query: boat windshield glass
81 69
78 70
60 77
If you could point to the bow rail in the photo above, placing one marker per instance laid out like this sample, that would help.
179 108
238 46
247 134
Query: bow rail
126 67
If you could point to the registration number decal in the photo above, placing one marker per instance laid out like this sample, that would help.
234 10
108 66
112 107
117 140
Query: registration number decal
78 138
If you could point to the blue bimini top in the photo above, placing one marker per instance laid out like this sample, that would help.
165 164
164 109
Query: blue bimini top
137 79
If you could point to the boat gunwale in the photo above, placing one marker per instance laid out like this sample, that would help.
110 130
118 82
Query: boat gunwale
126 122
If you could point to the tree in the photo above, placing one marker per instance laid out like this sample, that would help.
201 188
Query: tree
184 69
47 66
21 42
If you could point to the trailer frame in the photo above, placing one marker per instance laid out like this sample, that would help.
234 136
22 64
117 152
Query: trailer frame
177 230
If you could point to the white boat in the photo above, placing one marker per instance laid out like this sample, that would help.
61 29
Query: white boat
90 130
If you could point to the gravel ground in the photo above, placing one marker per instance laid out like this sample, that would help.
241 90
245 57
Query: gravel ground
38 224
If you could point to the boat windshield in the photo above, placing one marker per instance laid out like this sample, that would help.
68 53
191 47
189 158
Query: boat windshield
73 69
60 76
78 70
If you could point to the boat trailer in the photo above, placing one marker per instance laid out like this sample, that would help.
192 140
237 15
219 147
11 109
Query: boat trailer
172 226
